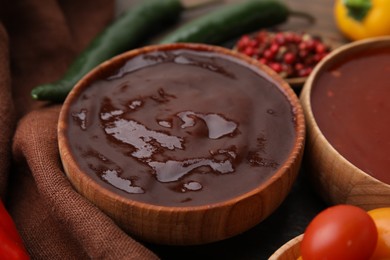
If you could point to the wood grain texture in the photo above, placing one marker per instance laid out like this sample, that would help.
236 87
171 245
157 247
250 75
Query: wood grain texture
337 180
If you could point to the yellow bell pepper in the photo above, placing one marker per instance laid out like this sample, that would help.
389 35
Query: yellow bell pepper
360 19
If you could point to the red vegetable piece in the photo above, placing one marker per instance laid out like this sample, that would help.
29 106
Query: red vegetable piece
11 244
342 232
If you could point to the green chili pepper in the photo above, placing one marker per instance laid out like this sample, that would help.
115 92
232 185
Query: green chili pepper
226 23
230 21
127 32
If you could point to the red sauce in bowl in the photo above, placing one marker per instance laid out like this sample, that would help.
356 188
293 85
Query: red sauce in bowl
351 105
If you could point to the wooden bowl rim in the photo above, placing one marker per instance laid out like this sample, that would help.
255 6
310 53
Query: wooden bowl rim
287 91
289 245
306 97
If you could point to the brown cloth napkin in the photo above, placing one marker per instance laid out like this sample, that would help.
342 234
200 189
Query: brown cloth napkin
38 40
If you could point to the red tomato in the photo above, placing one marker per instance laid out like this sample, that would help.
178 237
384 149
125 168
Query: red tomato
340 232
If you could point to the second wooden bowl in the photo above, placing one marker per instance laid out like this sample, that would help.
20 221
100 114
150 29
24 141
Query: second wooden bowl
337 179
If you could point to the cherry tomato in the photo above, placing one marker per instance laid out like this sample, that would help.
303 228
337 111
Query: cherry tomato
381 217
340 232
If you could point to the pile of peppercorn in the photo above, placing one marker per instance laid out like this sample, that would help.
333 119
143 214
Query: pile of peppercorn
291 54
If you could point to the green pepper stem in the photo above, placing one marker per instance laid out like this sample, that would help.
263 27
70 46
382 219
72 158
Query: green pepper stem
358 9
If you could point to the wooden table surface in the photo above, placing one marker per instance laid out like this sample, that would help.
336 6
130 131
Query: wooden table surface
302 204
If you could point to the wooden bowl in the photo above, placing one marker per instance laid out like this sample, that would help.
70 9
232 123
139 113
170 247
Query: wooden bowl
289 251
336 179
184 225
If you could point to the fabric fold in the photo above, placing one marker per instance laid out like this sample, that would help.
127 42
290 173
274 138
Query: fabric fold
38 40
7 111
90 230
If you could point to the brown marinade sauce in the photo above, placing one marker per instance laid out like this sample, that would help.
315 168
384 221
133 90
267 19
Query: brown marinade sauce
181 128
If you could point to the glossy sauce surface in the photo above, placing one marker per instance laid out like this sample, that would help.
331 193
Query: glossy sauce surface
181 128
351 105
